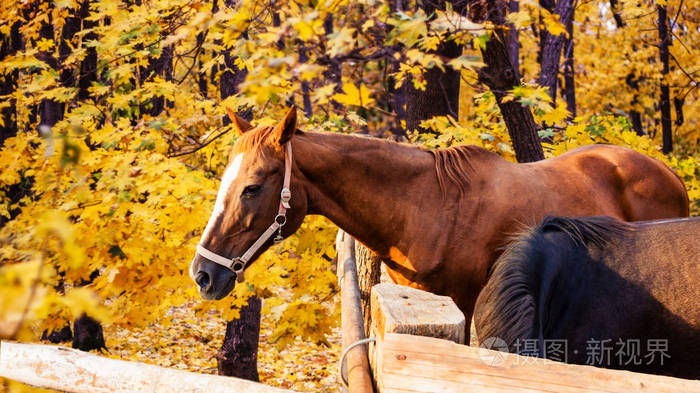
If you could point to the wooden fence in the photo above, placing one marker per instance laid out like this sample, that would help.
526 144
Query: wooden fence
418 347
68 370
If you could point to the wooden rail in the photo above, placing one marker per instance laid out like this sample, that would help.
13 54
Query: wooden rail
414 363
358 371
68 370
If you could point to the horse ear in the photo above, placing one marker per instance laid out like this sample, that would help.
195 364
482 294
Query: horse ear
240 125
285 129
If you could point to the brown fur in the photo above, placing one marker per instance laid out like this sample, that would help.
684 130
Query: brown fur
398 200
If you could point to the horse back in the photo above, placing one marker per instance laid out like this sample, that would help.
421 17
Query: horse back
597 278
642 187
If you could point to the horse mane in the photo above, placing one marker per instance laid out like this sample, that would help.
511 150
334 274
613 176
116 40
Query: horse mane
454 164
597 231
507 307
253 139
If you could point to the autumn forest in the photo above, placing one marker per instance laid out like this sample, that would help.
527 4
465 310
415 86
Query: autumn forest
115 133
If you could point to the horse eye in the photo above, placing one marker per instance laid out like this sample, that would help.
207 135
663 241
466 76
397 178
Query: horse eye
252 190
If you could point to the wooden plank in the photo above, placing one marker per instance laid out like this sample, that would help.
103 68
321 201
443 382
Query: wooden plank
423 364
65 369
400 309
358 371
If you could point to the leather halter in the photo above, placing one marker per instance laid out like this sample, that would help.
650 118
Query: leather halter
238 264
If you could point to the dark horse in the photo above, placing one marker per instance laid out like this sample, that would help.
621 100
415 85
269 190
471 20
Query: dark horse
438 218
620 295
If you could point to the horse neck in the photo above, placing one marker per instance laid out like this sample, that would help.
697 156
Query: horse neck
364 185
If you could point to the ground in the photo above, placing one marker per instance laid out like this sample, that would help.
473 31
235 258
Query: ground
191 344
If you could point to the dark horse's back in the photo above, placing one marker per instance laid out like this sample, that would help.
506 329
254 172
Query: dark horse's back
613 294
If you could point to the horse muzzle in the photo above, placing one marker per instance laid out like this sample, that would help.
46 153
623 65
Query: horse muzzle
213 281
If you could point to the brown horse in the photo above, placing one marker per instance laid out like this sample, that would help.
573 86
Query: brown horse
607 293
439 218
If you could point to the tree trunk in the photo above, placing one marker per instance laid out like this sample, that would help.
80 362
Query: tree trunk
635 115
631 80
616 14
441 94
569 74
678 105
368 275
665 103
551 49
50 112
162 66
87 334
9 45
500 76
305 88
238 356
513 41
334 71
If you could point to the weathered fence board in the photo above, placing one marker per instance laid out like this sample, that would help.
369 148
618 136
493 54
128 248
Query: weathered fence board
68 370
412 363
400 309
425 364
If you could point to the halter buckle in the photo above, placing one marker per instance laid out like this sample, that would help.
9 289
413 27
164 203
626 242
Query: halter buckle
238 267
285 197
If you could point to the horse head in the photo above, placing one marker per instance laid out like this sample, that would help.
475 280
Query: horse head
251 206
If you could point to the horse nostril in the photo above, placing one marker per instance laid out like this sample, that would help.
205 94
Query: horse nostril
202 279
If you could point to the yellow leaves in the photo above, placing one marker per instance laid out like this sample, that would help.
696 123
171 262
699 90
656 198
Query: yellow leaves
308 28
44 44
53 222
520 19
341 42
552 23
452 21
352 95
466 63
551 115
408 29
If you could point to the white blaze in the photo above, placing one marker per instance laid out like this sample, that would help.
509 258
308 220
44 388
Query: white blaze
230 175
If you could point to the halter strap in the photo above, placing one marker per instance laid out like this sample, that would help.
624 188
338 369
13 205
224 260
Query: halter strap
238 264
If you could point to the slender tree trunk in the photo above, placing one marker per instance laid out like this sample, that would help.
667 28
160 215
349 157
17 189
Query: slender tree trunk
500 76
238 356
9 45
396 97
513 39
631 80
87 332
616 14
635 115
665 103
50 112
441 95
551 49
334 71
162 66
569 74
678 105
305 88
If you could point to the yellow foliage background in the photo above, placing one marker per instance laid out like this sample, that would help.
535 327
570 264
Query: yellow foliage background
105 188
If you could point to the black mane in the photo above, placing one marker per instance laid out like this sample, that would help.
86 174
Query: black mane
595 231
509 309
